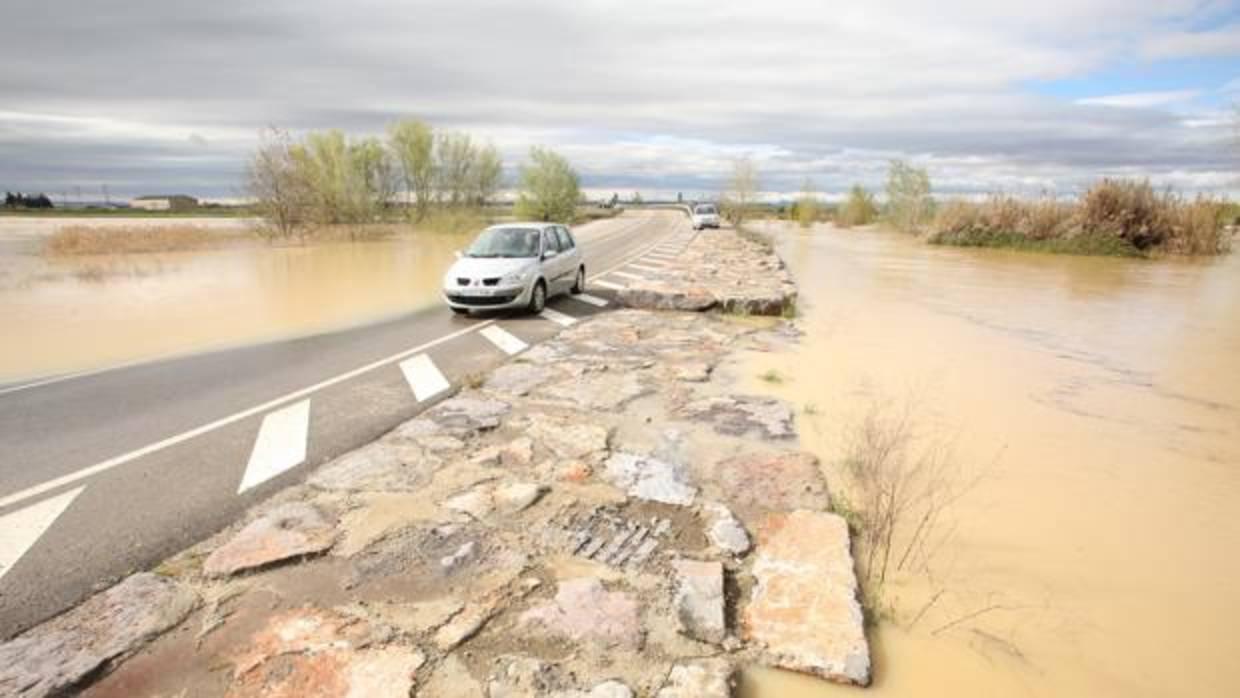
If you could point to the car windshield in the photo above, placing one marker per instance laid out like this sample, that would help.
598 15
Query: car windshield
505 242
705 209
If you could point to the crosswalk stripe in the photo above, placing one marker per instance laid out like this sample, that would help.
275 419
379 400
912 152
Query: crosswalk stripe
24 527
644 267
626 275
423 377
558 317
608 284
592 300
281 444
506 341
660 255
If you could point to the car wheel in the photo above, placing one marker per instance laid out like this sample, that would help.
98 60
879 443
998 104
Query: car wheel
580 284
538 297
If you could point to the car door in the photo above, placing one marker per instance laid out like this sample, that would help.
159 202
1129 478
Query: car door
553 261
570 253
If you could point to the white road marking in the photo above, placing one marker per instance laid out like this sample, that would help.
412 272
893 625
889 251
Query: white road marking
626 275
423 377
122 459
281 444
557 317
24 527
506 341
592 300
645 267
660 256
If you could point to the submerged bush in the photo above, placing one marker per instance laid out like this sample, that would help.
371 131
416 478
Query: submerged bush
1115 217
858 209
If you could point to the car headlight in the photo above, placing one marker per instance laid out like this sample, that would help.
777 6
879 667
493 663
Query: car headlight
515 278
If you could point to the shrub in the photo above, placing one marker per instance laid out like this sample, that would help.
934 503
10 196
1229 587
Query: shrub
858 209
90 240
550 188
908 196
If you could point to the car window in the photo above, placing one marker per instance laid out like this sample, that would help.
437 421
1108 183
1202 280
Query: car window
549 240
505 242
566 240
705 210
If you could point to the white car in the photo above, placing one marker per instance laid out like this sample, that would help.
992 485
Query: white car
705 216
515 265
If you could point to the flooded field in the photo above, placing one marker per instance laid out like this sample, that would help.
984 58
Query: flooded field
1099 399
81 313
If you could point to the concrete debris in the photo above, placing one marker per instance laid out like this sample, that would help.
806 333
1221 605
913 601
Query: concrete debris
699 599
55 657
651 479
519 378
464 415
290 530
584 611
757 483
451 679
605 390
738 415
496 499
804 609
699 678
569 439
381 466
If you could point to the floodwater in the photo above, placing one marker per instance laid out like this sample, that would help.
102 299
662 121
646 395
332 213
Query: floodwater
1099 402
82 313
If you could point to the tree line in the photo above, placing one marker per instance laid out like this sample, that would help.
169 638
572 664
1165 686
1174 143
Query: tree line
20 200
328 178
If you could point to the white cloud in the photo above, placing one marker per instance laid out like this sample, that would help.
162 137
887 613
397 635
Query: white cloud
1142 100
1224 41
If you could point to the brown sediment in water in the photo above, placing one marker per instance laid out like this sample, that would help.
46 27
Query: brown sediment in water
1103 395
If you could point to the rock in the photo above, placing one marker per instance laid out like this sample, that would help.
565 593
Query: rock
518 379
289 530
575 440
739 415
804 610
699 678
521 677
651 479
415 618
599 390
660 295
381 466
519 452
748 303
451 679
466 415
692 372
584 611
490 499
53 658
699 599
462 554
757 483
478 612
724 531
315 652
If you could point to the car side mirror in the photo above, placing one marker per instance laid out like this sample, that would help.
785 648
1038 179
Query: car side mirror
549 254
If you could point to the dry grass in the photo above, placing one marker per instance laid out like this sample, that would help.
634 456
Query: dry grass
1116 217
91 240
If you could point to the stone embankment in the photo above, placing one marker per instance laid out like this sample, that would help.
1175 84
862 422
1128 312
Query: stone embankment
602 517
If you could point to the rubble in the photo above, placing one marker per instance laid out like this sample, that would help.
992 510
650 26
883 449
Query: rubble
699 599
289 530
651 479
757 483
724 531
738 415
584 611
699 678
53 658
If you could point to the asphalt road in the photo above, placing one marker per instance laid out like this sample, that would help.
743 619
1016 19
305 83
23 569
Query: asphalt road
110 472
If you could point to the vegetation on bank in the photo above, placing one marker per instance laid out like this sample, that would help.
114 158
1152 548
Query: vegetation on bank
75 240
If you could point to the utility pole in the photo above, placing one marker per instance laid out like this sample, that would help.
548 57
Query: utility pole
107 200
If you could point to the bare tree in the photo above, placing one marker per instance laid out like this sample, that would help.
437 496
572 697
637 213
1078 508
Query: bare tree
454 163
807 204
413 142
488 174
908 196
276 184
742 190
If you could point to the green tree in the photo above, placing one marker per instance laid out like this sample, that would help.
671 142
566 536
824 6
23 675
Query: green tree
858 209
807 204
413 143
276 183
550 188
488 174
908 196
455 158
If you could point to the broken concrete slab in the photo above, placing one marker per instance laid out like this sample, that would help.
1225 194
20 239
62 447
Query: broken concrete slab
467 415
569 439
584 611
380 514
496 499
663 295
516 453
803 609
757 483
289 530
598 390
479 611
699 678
723 530
739 415
649 478
382 466
55 657
519 378
699 599
451 679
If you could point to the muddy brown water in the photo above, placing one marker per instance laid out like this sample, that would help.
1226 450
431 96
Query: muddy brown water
1101 397
82 313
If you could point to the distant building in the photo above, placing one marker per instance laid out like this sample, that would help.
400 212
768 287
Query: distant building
173 202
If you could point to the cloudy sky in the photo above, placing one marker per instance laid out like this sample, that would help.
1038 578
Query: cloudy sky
166 95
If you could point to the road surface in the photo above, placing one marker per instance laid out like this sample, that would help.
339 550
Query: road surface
109 472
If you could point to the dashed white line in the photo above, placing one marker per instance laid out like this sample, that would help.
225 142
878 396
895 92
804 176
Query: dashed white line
608 284
24 527
557 317
626 275
506 341
645 267
424 377
281 445
592 300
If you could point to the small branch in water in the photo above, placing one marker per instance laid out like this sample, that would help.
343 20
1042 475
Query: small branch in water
970 616
933 600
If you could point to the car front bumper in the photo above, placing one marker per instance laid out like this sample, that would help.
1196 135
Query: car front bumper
487 298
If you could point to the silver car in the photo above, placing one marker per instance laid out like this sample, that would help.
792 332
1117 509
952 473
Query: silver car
515 265
705 216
